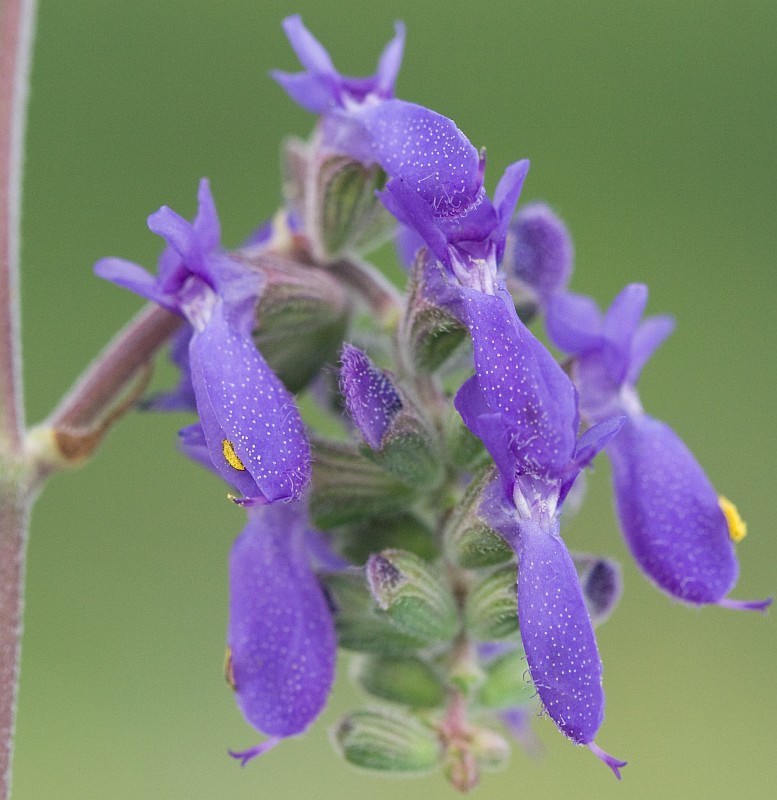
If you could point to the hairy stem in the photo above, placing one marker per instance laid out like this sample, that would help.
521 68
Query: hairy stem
16 28
123 359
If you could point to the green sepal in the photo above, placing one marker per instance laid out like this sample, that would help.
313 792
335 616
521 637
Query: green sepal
491 612
407 681
413 595
387 741
408 450
348 487
430 333
404 531
507 682
360 624
351 218
491 750
302 317
469 542
465 450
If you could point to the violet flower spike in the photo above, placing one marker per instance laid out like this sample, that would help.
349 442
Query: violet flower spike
281 638
255 436
321 88
680 533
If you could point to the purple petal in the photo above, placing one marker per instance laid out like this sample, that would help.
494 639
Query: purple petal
370 397
557 634
136 279
407 242
242 402
647 339
310 52
574 323
669 513
613 763
313 93
410 209
520 379
390 62
425 149
193 445
245 756
206 224
178 233
539 251
281 633
508 190
620 324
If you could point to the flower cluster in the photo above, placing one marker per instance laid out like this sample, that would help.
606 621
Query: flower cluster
403 537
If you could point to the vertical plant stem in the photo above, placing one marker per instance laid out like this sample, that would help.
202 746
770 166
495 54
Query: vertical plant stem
16 28
14 516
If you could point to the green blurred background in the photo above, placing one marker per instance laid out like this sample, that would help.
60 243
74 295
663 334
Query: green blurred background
651 129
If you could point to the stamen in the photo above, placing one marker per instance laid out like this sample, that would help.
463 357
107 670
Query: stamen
231 456
737 527
229 675
247 755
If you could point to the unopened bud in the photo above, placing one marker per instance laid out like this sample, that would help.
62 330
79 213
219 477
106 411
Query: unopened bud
412 595
431 330
508 683
387 741
491 751
408 681
491 612
302 317
469 541
361 626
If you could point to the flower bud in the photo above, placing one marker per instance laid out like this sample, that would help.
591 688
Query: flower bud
491 751
334 196
387 741
361 626
302 317
412 595
399 437
469 541
409 681
347 487
507 682
491 612
431 331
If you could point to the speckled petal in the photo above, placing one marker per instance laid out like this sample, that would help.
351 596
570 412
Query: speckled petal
241 400
370 397
422 147
557 634
520 379
669 513
281 633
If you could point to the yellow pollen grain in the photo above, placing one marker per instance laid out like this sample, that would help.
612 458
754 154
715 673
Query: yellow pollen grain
737 527
229 675
231 456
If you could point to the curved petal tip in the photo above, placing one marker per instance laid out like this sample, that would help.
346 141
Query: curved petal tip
613 763
745 605
248 755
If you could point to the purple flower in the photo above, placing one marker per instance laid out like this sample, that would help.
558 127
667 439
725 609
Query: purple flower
523 407
671 517
321 88
281 637
255 436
